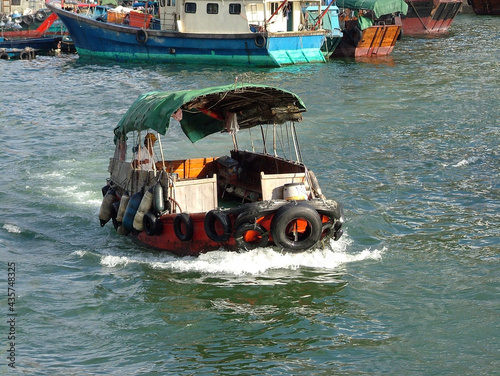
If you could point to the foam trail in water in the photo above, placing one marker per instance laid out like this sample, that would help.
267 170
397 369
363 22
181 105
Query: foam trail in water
465 162
254 262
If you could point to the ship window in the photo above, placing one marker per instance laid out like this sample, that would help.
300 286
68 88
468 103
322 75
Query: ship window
234 8
274 7
190 7
16 2
212 8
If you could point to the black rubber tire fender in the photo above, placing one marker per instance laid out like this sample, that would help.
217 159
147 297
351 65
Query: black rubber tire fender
239 236
141 36
260 40
290 213
114 213
209 223
40 15
152 225
180 220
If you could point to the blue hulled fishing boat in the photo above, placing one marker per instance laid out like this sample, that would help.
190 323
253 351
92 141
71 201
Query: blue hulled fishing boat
261 33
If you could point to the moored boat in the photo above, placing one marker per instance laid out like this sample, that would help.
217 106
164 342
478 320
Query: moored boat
370 27
429 16
261 33
485 7
328 18
243 200
30 26
40 45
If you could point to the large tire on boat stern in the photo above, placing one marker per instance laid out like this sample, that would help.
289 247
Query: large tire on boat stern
183 220
211 219
251 236
141 36
152 225
296 228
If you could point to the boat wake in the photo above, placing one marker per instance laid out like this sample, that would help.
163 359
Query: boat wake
465 162
255 262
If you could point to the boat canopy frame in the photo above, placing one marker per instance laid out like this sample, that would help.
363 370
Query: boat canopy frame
211 110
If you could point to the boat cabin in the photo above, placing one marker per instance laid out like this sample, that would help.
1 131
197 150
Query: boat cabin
233 16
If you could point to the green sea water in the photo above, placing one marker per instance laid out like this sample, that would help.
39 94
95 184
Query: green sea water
409 144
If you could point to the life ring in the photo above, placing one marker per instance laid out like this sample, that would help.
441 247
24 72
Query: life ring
141 36
180 221
260 40
152 225
4 56
40 15
28 19
296 228
211 218
251 236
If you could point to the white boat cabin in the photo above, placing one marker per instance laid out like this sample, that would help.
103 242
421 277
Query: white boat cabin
232 16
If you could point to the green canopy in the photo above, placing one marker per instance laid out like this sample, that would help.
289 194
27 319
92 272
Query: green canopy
379 7
209 110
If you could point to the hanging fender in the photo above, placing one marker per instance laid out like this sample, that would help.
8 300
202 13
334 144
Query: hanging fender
251 236
211 218
296 228
141 36
152 225
260 40
183 220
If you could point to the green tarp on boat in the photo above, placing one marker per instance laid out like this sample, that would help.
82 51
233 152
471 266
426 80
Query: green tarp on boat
379 7
206 111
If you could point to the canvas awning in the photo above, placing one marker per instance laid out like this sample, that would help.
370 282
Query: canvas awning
206 111
379 7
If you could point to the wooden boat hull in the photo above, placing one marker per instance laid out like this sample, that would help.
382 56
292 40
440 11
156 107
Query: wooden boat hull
124 43
485 7
377 40
429 16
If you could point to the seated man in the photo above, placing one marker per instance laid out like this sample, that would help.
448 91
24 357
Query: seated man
143 159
